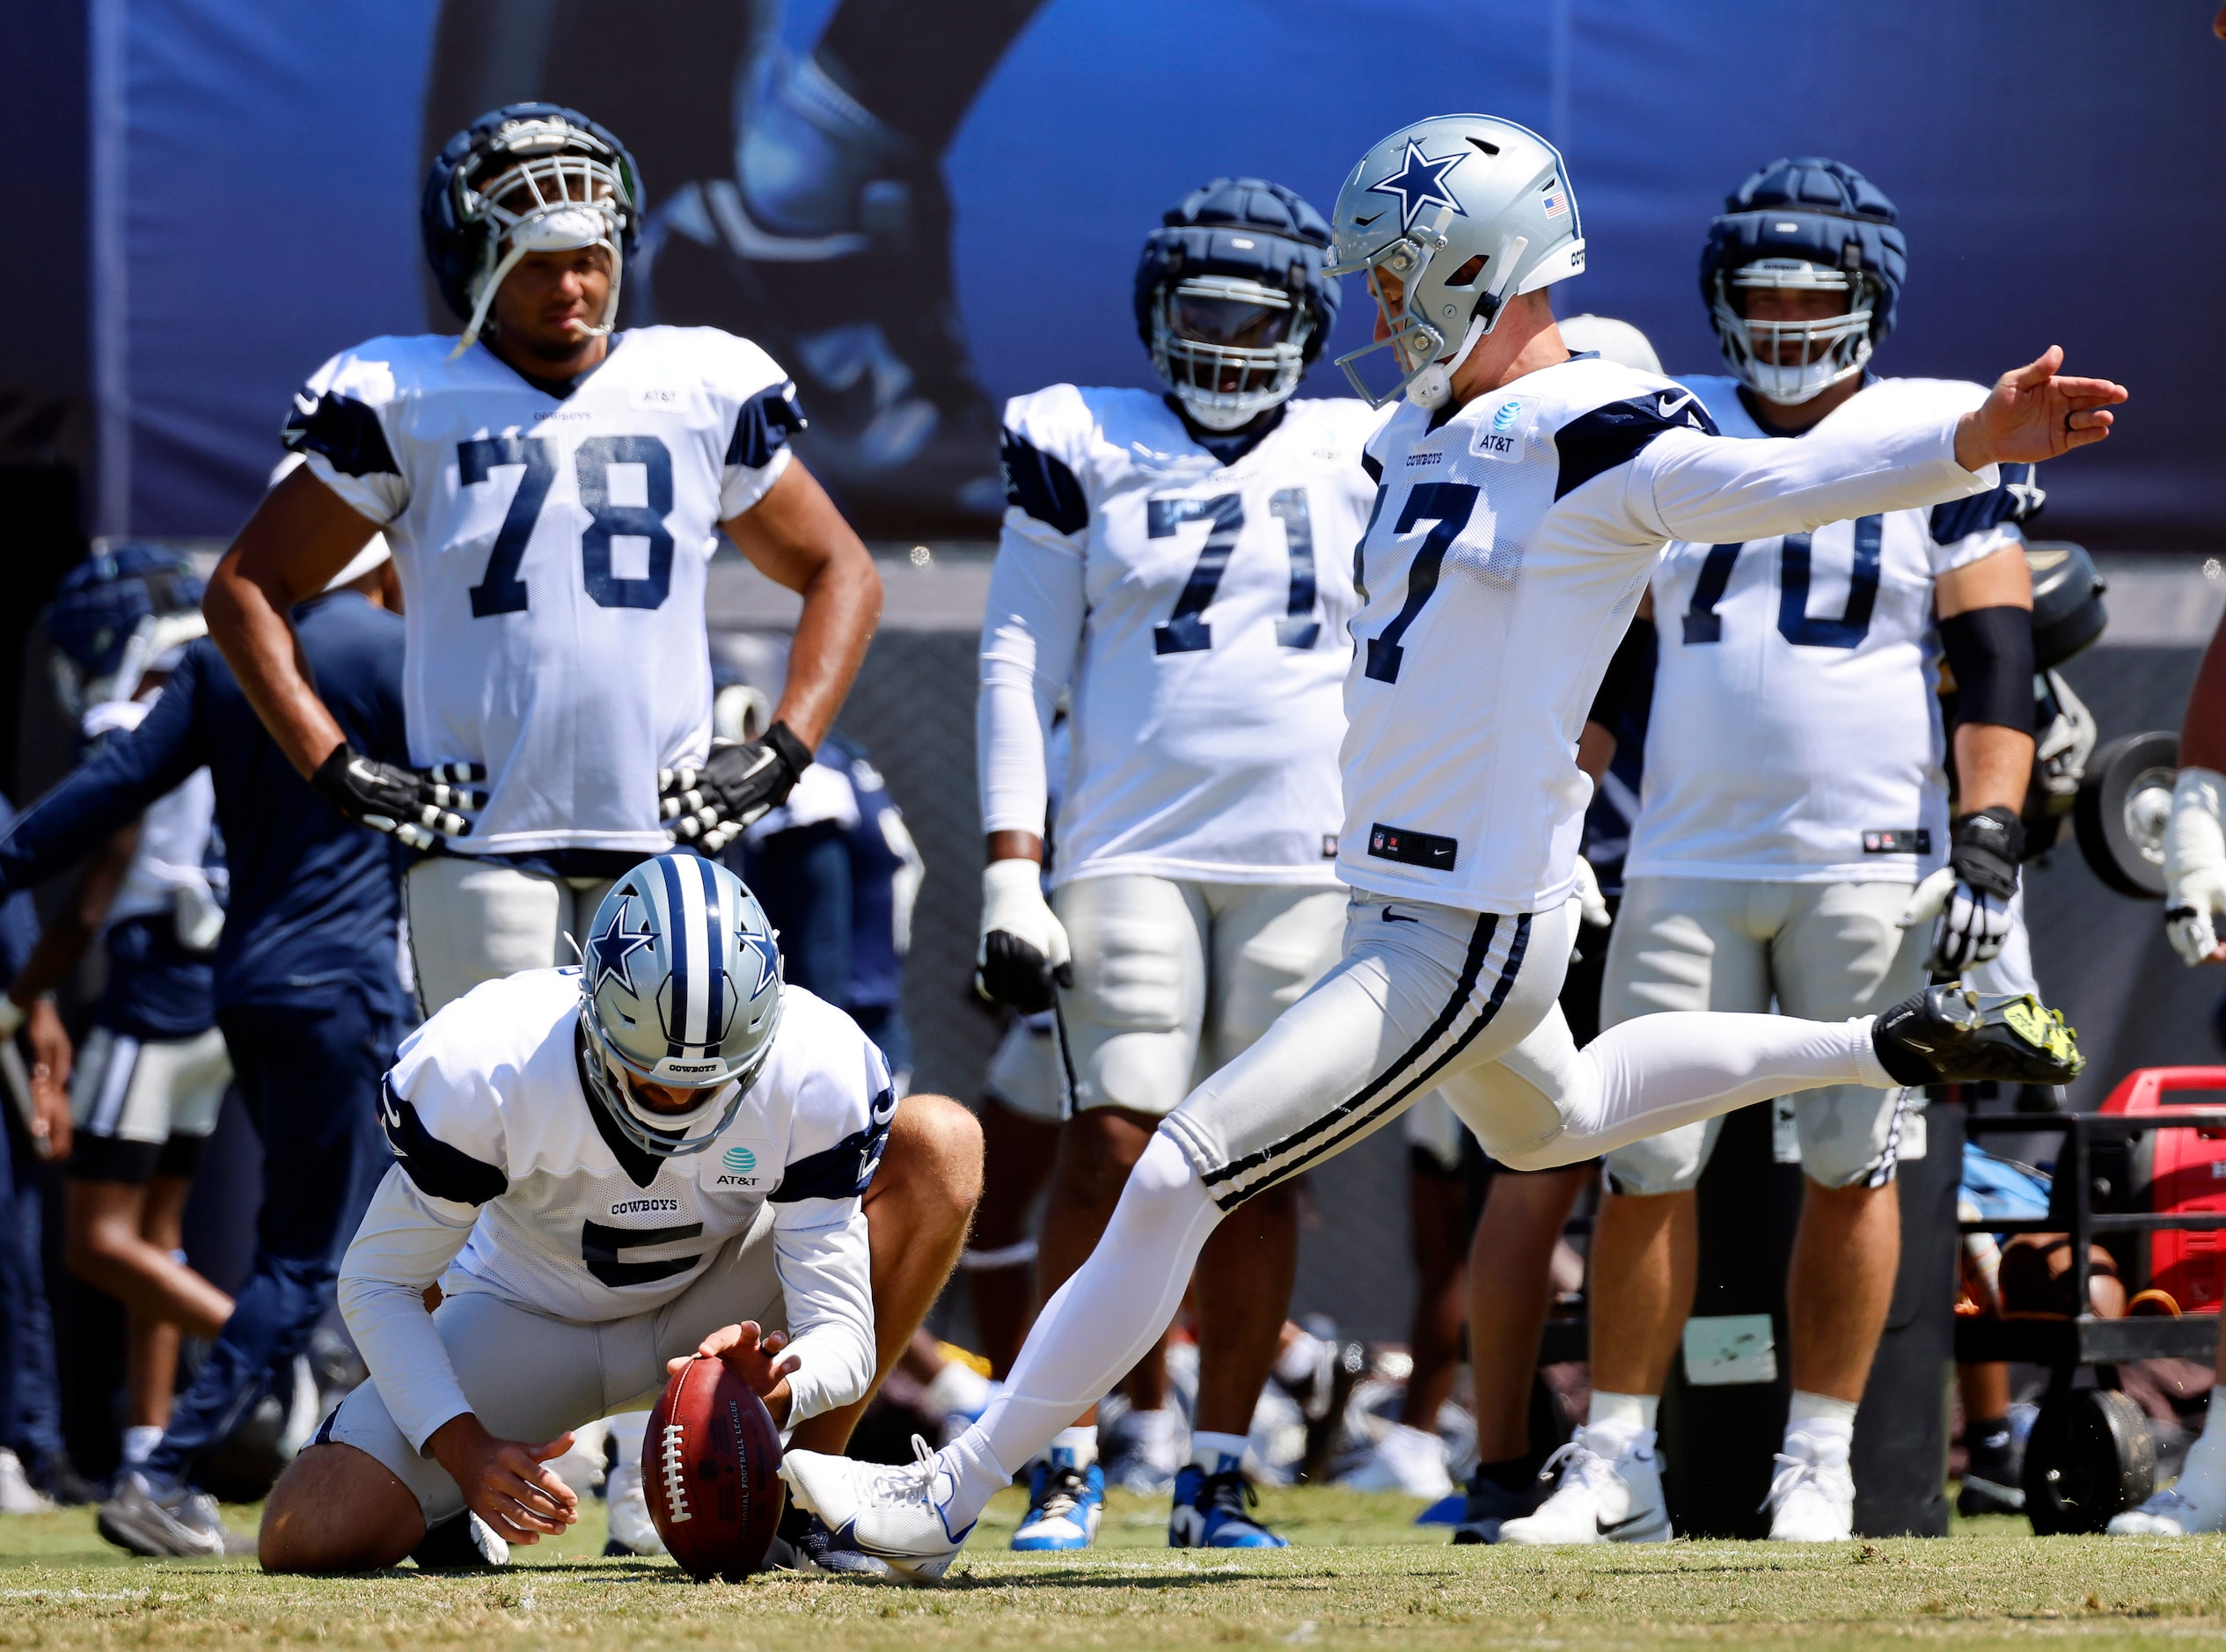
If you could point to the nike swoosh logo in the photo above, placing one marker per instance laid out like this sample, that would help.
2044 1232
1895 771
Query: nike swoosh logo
1362 224
1609 1528
1669 403
1390 916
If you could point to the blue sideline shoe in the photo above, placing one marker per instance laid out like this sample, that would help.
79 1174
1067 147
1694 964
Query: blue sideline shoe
1214 1512
1064 1505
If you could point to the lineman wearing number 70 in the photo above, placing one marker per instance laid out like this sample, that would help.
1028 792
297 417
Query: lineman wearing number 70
553 490
1525 495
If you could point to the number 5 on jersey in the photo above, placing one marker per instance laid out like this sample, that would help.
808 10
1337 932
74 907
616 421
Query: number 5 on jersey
501 590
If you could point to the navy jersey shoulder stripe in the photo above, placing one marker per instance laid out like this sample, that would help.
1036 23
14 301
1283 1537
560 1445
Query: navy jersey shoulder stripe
1042 485
1609 436
346 431
2014 500
1373 465
440 1171
846 1170
764 426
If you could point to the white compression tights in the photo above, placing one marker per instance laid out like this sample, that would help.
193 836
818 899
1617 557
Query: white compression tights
1645 1076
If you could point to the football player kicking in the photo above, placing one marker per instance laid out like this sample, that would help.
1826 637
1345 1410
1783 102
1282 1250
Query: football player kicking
1794 802
552 491
1159 549
1524 497
607 1169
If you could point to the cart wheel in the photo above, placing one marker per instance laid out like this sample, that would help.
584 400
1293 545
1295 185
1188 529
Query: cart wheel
2090 1455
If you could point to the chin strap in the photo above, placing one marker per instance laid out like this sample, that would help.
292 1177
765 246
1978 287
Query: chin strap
1432 386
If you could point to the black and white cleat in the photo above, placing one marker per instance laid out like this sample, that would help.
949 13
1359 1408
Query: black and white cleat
1949 1034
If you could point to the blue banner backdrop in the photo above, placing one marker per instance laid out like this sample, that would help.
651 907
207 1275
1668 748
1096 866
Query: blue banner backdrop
2054 164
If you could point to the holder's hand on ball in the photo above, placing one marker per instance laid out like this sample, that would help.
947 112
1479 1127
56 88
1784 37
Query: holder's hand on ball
752 1353
504 1481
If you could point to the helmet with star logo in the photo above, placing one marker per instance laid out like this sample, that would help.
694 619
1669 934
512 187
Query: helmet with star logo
680 987
1466 211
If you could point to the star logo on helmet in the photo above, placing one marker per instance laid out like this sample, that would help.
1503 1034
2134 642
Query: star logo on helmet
757 945
610 954
1419 181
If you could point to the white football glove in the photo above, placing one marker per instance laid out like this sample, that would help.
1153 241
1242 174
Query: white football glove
2195 865
1023 948
1967 901
1591 908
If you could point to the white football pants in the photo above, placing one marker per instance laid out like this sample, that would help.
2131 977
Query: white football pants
1424 997
480 920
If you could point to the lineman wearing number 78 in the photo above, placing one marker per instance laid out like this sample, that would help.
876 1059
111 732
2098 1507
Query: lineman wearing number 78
552 489
1525 495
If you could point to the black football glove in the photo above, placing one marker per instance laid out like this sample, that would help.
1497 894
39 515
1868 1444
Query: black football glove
1975 918
417 806
739 781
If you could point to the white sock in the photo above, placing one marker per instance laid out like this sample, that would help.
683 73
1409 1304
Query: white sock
1156 1431
1076 1446
1213 1452
959 1387
625 1432
1094 1327
2207 1456
1625 1419
1657 1073
1296 1361
138 1441
1825 1425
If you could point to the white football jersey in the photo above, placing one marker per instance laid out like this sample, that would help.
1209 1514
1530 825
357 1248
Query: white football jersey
551 554
1796 734
172 856
1510 542
1200 610
486 1110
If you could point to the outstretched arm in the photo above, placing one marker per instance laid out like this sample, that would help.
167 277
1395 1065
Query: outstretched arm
299 538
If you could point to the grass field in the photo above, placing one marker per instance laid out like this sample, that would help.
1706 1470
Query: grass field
1356 1578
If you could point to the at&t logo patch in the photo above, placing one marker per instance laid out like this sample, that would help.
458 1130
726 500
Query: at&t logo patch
739 1168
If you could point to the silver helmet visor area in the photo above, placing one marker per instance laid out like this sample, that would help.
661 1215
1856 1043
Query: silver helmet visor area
666 1135
543 194
1228 347
1791 362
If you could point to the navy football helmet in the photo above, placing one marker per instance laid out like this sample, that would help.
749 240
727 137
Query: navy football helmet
526 178
118 615
1232 298
1816 225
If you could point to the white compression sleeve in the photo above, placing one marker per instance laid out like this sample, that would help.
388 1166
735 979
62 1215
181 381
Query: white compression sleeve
1031 632
1102 1320
826 1278
406 1241
1660 1071
1718 489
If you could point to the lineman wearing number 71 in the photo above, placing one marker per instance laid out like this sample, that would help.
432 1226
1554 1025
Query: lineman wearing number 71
552 489
1525 495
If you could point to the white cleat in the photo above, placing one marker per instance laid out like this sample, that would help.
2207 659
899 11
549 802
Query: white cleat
1406 1459
1610 1492
632 1531
2171 1513
1811 1501
896 1514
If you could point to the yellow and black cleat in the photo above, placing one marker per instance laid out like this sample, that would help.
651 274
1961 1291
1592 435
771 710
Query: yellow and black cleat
1948 1034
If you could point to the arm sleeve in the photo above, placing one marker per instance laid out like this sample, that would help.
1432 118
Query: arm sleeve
1966 531
826 1277
1685 484
1030 637
338 425
109 789
406 1241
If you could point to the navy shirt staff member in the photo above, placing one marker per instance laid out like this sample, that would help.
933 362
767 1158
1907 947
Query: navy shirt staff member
308 994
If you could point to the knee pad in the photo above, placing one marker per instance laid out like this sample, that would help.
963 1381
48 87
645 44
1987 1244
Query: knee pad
1850 1135
1669 1163
1131 1020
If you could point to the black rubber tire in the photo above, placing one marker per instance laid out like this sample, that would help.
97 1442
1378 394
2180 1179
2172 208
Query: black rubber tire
2099 815
2090 1456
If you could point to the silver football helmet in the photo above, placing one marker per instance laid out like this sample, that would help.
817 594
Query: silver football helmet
1467 211
681 987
